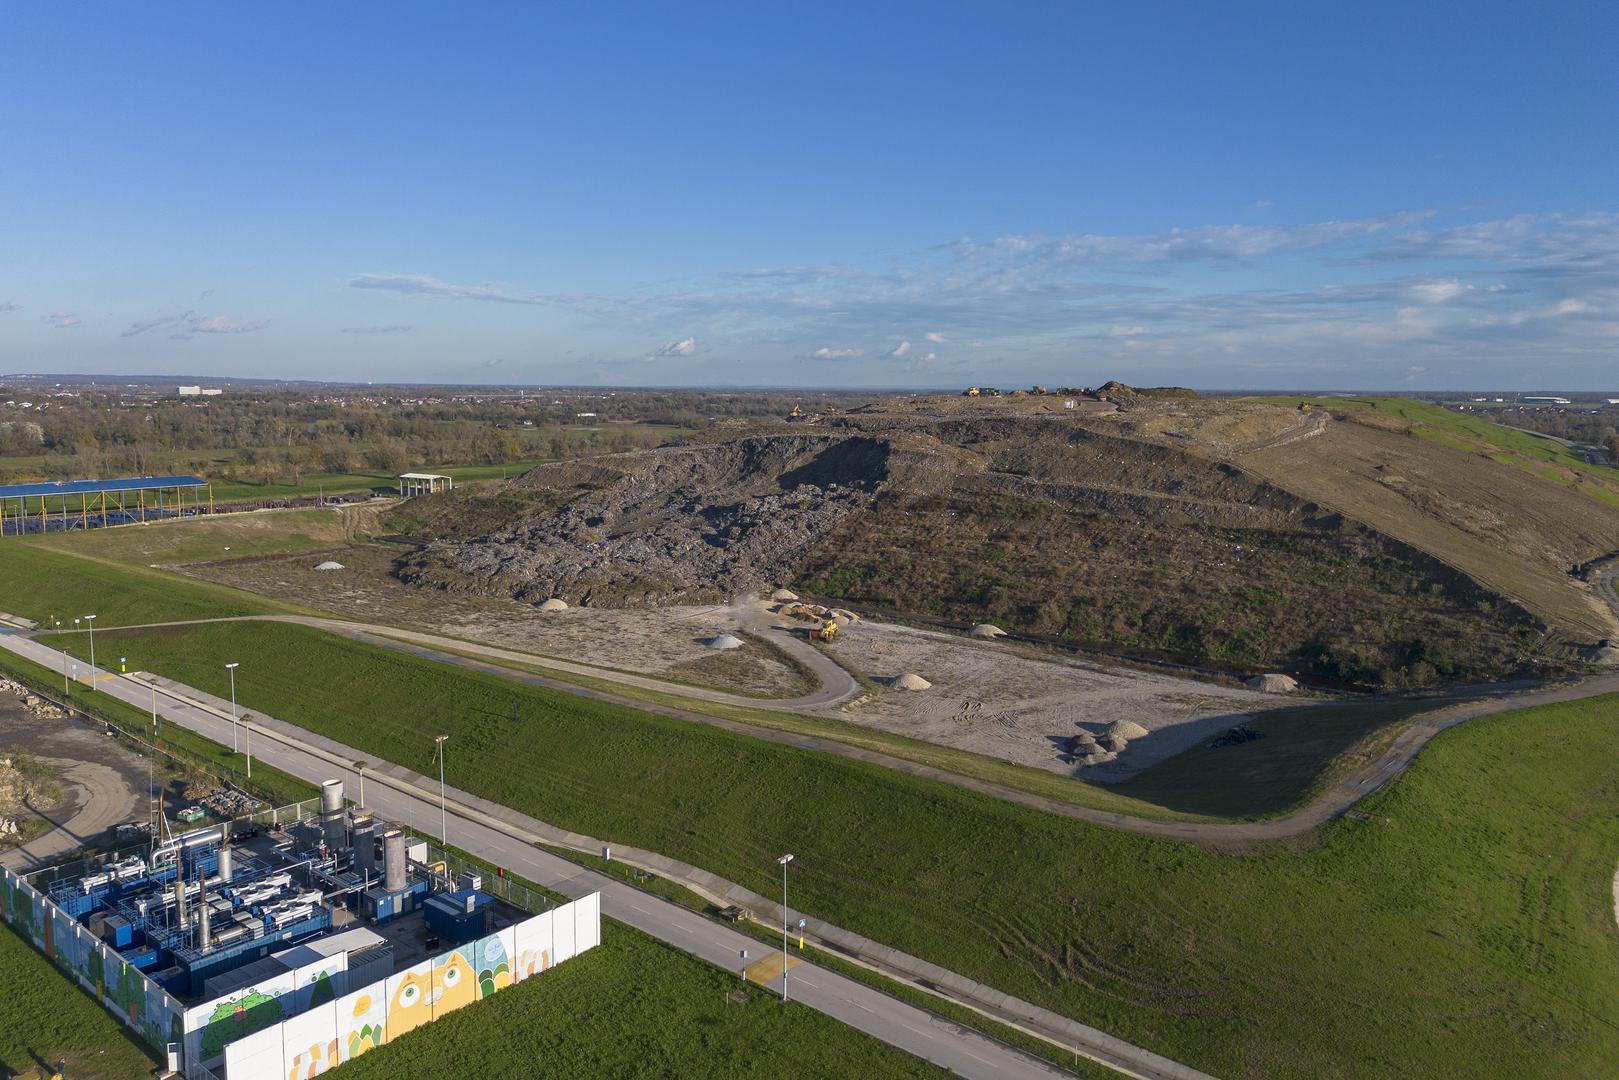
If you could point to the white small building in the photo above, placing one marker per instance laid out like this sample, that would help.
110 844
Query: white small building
421 483
200 391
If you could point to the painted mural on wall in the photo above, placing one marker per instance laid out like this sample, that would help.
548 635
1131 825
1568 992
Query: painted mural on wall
373 1016
123 990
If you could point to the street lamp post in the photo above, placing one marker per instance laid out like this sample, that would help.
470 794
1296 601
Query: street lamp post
232 669
91 619
784 860
247 742
443 817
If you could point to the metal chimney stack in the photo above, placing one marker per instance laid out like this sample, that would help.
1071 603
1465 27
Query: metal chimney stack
180 900
331 815
393 861
227 864
205 936
365 844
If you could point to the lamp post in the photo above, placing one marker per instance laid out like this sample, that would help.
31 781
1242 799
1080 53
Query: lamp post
784 860
232 669
443 817
91 619
247 743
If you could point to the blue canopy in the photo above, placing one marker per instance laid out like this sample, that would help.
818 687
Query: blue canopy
96 487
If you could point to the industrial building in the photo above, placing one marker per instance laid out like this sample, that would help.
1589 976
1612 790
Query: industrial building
217 936
60 505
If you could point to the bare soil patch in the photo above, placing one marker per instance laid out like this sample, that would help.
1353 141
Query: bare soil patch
666 642
1005 702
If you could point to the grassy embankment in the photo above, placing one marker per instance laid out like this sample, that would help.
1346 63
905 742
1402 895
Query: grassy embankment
1470 901
45 1017
1475 435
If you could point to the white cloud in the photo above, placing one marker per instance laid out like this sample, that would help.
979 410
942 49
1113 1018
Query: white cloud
683 347
826 352
423 285
62 320
1128 331
937 337
928 359
902 349
224 324
1568 306
1439 291
187 323
391 328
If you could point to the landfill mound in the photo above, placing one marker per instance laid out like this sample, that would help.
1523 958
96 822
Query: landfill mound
667 525
1248 536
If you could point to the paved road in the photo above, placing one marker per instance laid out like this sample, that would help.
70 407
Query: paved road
961 1050
105 799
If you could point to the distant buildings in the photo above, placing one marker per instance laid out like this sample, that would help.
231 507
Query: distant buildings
200 391
1544 399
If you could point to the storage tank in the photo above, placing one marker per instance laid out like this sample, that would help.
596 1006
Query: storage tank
227 864
393 861
365 844
331 814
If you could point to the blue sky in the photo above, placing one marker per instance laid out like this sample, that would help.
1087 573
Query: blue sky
1221 195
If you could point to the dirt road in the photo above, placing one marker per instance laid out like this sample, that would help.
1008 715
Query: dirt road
1329 805
104 799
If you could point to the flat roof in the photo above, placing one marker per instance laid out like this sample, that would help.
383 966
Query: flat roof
422 476
93 487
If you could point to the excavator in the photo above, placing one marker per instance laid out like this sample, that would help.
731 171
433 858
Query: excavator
827 631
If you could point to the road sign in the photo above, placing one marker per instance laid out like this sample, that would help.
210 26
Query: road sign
803 923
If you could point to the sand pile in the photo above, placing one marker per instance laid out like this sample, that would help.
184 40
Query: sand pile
987 630
554 604
1125 729
724 641
783 595
330 565
910 681
1273 684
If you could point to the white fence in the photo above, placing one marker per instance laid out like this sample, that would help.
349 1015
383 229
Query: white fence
329 1033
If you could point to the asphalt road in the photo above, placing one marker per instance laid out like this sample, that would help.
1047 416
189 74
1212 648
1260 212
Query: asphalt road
961 1050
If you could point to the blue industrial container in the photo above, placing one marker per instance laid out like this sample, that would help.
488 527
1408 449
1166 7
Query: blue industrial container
461 915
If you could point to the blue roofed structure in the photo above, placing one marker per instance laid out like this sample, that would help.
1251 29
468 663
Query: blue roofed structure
94 487
59 505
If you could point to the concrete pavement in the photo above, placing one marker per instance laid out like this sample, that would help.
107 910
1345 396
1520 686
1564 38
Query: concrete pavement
505 838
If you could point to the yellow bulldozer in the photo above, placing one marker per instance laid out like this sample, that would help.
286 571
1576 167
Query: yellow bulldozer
827 631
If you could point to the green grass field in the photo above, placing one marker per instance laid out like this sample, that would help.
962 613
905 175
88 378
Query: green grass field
1470 902
367 480
1473 434
634 1007
39 583
45 1017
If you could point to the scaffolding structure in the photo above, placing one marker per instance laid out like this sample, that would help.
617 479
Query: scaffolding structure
58 506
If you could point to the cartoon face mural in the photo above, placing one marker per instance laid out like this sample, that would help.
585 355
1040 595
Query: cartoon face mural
455 982
408 1008
231 1020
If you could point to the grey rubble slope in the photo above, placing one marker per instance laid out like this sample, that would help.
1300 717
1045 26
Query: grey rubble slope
1144 530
